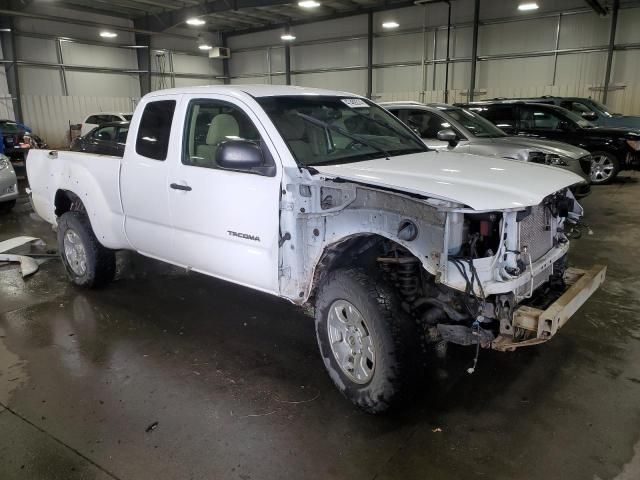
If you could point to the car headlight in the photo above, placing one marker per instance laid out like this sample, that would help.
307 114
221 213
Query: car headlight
548 159
634 144
4 163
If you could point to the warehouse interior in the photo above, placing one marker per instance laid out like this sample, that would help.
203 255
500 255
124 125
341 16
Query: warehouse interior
171 374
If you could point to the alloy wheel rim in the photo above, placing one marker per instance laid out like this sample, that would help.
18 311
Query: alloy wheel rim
351 342
601 168
75 252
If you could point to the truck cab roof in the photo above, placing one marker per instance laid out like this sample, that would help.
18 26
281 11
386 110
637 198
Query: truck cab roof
252 90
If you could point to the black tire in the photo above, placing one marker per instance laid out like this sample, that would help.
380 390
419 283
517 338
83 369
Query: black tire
607 160
100 261
5 207
391 331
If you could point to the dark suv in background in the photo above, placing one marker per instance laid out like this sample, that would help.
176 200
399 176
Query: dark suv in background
612 149
589 109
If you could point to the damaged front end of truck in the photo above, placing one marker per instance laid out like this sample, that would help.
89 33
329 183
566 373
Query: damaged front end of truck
494 278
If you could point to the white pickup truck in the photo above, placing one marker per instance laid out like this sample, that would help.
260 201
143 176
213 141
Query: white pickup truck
327 200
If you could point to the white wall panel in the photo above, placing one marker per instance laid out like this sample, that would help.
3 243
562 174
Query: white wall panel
520 72
96 56
628 22
584 30
401 48
398 79
523 36
326 55
353 81
36 49
101 84
243 63
196 64
50 116
39 80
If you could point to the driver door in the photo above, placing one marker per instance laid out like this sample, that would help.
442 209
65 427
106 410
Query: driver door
225 223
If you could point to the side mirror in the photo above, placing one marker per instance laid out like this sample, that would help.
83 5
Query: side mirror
590 116
564 126
449 136
244 156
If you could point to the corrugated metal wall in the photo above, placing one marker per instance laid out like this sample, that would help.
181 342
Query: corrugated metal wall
333 54
6 102
51 115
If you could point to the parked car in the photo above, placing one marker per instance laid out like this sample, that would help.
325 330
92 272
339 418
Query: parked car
17 139
612 149
327 200
107 139
590 109
96 119
8 185
445 127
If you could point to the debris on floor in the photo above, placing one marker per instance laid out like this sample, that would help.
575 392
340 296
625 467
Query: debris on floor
29 264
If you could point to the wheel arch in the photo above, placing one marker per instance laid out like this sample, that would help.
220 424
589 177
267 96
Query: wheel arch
349 250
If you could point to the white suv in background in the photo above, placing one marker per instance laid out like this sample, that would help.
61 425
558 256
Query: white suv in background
96 119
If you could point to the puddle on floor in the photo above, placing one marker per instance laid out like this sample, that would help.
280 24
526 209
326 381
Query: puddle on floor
13 371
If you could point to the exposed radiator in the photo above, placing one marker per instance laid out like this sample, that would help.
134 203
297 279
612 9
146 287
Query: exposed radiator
535 233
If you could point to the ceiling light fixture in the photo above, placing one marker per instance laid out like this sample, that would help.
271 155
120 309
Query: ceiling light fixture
527 7
390 24
308 4
105 34
205 47
288 37
195 21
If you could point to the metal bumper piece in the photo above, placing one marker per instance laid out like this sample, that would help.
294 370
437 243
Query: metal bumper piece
546 323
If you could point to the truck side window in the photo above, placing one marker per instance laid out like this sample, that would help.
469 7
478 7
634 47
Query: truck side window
208 124
154 130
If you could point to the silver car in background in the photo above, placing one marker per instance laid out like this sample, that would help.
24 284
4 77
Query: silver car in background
445 127
8 185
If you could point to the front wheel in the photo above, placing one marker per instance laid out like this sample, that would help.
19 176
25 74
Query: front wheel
365 339
604 167
87 262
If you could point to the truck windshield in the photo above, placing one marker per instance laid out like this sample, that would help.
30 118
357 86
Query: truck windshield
325 130
478 126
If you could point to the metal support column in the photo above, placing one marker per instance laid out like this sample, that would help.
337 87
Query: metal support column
369 55
63 73
612 43
474 50
225 63
287 64
555 54
446 65
8 42
144 62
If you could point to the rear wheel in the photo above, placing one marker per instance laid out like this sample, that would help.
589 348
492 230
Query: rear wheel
87 262
604 167
365 339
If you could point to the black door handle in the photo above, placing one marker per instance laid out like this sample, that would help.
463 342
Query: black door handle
177 186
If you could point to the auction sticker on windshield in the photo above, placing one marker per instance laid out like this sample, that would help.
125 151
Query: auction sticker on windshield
354 103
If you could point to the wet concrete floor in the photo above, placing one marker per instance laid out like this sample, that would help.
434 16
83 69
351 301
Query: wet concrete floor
167 375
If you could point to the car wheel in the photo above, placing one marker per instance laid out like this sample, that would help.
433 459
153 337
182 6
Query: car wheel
5 207
87 262
365 339
604 167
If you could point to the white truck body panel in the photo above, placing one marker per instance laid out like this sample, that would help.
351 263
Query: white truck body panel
482 183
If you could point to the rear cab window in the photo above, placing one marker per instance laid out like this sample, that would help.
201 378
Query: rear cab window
152 140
